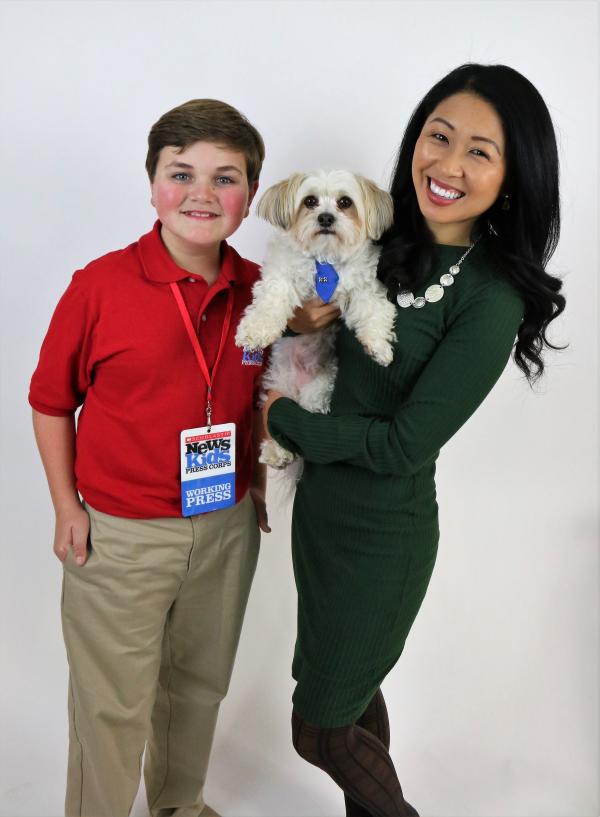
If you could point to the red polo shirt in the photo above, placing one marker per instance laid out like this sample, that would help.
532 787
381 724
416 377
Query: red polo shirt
118 347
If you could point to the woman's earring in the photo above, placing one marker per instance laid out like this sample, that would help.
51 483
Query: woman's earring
506 202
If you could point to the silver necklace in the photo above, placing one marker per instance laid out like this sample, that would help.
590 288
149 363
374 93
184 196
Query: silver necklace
435 292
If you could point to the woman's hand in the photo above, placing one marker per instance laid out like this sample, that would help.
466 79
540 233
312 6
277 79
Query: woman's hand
272 395
313 316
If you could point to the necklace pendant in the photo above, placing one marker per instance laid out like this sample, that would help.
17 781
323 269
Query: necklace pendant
405 298
434 293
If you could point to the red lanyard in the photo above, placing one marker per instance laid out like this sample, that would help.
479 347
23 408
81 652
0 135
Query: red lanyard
209 377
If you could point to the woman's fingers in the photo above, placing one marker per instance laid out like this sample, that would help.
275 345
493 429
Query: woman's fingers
313 316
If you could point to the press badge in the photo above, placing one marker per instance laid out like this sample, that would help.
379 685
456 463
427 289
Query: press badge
207 468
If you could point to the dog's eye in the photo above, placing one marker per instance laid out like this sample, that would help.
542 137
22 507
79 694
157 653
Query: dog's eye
344 203
311 202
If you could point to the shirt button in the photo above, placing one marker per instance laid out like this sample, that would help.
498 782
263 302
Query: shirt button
203 317
192 280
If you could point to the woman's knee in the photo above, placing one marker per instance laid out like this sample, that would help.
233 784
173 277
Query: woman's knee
306 739
297 722
316 744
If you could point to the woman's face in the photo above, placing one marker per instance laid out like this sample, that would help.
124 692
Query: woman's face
458 166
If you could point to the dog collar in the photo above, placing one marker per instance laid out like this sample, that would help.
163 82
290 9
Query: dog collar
326 281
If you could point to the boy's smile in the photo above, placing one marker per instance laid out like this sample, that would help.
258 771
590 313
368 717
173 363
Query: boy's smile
201 195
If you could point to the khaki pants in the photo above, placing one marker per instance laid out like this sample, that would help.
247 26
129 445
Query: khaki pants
151 624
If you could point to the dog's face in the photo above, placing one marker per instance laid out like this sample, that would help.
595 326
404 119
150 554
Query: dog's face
329 213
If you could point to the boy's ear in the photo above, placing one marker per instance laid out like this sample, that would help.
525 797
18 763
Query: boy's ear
277 205
251 194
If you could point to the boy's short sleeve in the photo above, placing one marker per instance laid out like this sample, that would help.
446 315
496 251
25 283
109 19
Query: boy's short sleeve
63 374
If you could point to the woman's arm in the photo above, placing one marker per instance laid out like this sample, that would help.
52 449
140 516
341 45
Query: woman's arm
462 371
55 437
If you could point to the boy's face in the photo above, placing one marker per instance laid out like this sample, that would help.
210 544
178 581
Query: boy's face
201 194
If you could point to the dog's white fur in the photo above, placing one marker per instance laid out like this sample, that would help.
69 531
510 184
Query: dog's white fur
304 367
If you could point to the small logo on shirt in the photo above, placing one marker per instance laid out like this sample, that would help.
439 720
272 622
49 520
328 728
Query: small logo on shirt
252 357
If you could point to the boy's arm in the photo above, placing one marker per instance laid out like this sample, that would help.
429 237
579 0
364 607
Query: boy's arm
258 484
55 437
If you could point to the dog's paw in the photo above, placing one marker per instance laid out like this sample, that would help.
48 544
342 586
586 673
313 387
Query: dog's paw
382 353
255 334
240 339
244 337
271 453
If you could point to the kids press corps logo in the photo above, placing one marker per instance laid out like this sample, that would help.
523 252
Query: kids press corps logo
207 452
252 357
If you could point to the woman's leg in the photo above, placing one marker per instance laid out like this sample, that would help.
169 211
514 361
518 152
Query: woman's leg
375 720
358 762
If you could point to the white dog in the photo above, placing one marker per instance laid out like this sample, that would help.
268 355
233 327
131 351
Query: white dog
327 221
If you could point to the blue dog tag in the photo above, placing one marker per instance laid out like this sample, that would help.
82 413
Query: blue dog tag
326 281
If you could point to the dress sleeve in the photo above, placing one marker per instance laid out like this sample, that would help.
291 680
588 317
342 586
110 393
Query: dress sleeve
466 364
64 372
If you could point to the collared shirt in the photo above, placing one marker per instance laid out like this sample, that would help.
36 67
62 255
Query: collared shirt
117 346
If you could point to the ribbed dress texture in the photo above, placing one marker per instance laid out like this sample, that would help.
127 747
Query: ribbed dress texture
365 522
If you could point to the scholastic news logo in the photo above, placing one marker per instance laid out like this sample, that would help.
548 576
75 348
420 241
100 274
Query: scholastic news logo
252 357
207 452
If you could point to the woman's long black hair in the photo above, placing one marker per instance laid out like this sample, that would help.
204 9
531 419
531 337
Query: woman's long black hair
524 236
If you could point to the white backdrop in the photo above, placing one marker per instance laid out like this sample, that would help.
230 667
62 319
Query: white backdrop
494 705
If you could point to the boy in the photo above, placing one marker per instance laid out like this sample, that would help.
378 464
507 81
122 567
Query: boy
157 563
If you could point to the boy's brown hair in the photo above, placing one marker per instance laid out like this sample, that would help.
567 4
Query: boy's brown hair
206 120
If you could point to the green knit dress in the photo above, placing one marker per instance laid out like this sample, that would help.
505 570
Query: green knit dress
365 521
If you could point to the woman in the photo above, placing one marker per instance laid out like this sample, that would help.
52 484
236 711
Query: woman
476 219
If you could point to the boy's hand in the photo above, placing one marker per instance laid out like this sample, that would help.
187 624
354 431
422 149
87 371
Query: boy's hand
71 531
258 483
260 506
313 316
56 440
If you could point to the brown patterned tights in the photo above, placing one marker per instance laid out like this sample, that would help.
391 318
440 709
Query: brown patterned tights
357 759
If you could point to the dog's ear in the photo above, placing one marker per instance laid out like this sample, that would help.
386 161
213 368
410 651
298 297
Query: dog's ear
277 203
379 208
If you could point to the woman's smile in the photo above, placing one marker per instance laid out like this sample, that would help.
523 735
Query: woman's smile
441 194
458 166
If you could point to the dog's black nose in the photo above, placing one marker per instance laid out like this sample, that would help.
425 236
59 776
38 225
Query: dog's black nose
325 219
